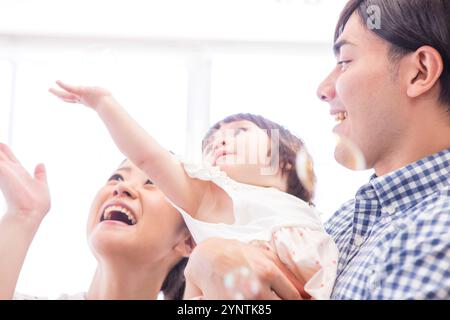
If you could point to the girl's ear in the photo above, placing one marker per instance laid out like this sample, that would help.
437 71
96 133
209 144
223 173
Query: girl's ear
186 244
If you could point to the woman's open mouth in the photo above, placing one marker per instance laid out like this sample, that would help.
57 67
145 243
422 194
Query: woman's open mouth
120 213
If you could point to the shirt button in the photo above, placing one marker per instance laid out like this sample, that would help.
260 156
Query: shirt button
359 241
390 209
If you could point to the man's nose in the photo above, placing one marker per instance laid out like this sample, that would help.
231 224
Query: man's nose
327 89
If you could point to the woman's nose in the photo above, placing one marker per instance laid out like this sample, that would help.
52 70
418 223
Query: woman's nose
124 190
327 91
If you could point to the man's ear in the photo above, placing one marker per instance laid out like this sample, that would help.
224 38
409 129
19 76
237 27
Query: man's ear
425 69
186 244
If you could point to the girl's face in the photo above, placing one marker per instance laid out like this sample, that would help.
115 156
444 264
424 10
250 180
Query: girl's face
131 218
244 151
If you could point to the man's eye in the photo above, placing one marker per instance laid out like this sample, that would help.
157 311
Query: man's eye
343 64
116 177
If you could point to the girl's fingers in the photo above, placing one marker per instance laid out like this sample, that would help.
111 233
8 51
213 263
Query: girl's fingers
68 97
68 87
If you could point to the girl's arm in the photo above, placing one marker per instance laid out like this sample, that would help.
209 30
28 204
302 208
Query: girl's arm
139 147
28 201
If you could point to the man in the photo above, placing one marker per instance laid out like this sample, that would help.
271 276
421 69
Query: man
391 91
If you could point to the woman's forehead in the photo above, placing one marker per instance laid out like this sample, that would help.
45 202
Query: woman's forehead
131 169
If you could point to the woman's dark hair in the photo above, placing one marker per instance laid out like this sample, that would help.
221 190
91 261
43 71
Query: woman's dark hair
408 25
289 146
174 284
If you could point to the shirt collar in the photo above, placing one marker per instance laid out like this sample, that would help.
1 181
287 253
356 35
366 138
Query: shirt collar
404 187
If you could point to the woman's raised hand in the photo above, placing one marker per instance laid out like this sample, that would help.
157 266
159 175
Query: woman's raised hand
25 196
89 96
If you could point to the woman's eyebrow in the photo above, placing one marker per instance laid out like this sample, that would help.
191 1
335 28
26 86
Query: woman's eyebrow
126 169
338 45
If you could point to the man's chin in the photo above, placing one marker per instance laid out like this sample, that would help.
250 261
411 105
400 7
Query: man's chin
350 156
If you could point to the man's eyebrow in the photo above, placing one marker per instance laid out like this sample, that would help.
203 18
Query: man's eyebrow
338 45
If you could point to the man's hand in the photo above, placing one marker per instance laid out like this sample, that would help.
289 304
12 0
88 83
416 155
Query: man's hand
213 259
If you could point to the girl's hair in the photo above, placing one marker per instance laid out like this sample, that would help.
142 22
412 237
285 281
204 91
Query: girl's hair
289 146
408 25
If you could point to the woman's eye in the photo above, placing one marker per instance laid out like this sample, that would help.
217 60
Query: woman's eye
116 177
148 182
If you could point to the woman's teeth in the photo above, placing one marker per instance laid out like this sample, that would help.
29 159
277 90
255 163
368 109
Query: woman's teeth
341 116
109 210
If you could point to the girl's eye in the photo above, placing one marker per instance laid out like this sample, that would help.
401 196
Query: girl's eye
239 130
116 177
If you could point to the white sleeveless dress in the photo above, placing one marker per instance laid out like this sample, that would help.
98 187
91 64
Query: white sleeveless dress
281 222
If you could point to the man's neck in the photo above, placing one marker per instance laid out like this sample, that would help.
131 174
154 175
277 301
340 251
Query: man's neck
426 136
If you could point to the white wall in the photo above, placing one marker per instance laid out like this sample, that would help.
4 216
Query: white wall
177 66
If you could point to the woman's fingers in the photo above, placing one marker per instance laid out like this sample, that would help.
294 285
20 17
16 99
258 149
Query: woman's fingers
6 151
2 152
40 173
66 96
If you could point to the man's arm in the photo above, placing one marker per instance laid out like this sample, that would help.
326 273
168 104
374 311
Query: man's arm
213 259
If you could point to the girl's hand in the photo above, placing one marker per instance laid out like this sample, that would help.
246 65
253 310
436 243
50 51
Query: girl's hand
25 196
89 96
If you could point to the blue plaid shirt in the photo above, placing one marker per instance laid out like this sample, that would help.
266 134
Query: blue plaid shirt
394 237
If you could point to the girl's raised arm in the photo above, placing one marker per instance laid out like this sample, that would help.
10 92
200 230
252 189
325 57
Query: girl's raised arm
139 147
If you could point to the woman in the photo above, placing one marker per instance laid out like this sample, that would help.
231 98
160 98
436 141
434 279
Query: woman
139 240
